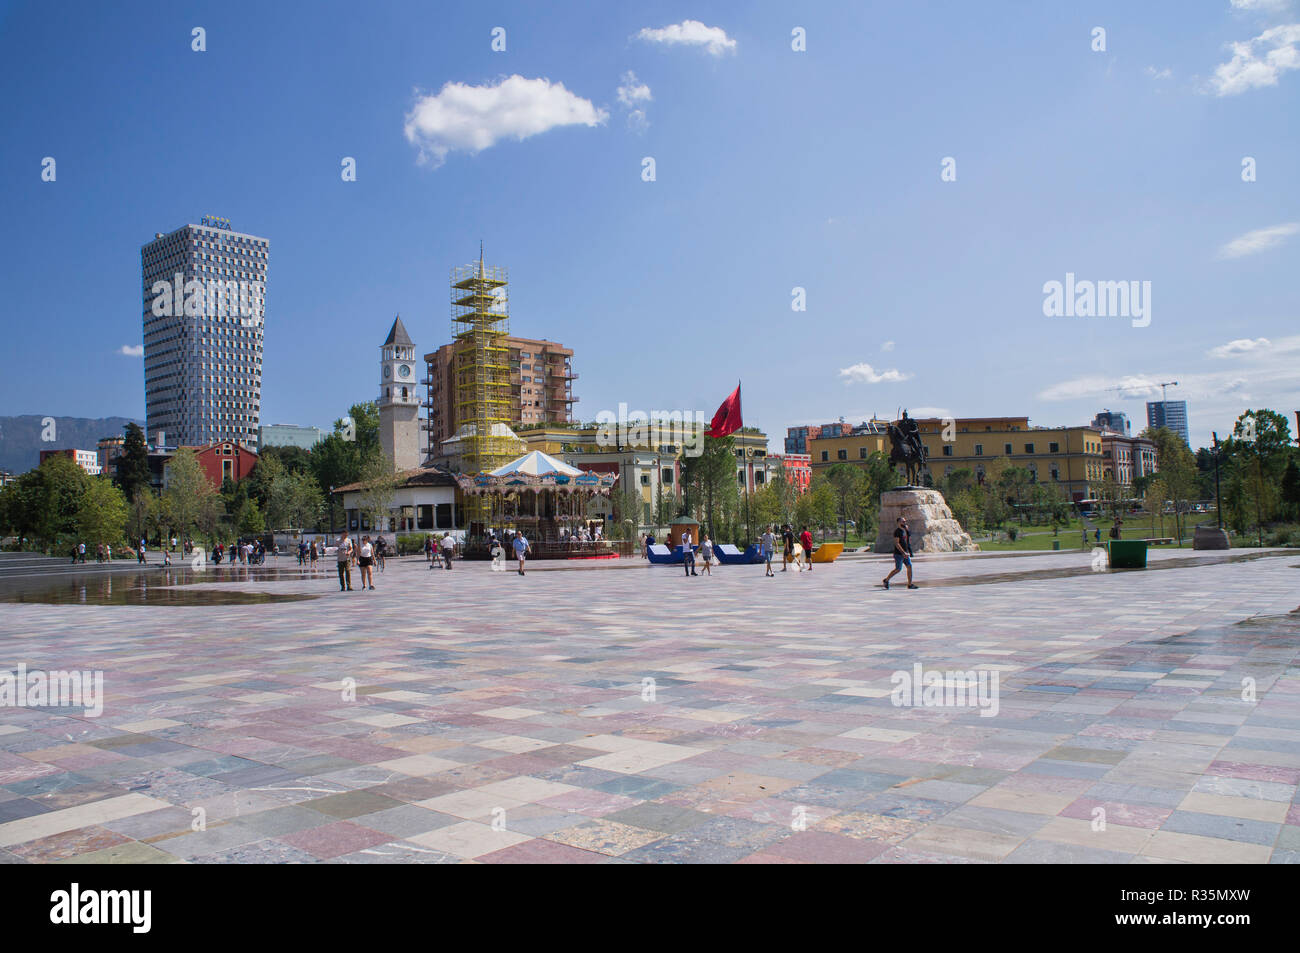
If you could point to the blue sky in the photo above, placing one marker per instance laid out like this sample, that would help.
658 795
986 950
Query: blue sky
775 169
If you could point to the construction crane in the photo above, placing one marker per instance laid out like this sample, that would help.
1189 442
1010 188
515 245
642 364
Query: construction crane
1162 385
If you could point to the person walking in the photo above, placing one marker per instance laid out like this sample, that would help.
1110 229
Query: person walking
343 556
787 547
521 548
140 554
902 553
365 559
767 545
806 541
688 554
706 554
448 550
381 551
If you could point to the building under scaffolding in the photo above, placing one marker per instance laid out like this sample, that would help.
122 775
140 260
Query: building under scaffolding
480 324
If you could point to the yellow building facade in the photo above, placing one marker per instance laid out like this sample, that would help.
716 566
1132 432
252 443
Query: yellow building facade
1070 457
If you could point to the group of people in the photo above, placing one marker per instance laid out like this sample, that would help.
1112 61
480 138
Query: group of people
796 550
580 535
515 542
248 553
440 550
104 553
363 554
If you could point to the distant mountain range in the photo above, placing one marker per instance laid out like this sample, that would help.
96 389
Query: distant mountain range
21 440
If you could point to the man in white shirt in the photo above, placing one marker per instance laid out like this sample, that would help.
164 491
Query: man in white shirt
448 550
688 554
344 556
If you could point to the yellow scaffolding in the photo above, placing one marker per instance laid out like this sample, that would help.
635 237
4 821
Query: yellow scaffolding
480 324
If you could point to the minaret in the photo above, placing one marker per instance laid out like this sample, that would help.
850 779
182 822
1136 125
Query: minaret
399 407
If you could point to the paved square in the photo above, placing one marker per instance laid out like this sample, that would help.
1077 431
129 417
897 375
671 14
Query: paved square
635 715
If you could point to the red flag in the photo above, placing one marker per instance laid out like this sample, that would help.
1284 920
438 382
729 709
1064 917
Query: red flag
727 420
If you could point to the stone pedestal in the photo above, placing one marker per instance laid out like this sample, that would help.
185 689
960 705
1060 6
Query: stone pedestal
1210 537
928 517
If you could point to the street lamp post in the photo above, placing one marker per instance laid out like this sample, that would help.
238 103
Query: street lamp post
748 463
1218 497
331 510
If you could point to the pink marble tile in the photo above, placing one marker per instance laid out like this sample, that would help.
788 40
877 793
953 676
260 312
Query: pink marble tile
1125 815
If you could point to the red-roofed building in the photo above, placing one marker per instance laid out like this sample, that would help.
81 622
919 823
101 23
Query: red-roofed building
225 461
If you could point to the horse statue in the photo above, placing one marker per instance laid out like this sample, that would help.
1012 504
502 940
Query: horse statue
906 448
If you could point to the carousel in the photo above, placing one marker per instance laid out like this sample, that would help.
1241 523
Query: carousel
545 499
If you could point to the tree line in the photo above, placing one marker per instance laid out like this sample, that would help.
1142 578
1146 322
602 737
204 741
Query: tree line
58 505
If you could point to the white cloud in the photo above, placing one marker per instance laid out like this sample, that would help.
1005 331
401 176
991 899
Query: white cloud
633 95
887 346
1239 346
466 118
691 33
922 412
131 350
1267 6
1259 240
633 92
866 374
1258 62
1159 74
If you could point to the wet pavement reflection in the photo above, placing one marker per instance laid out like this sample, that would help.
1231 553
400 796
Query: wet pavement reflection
155 587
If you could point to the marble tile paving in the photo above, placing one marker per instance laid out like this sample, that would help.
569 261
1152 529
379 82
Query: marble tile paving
642 716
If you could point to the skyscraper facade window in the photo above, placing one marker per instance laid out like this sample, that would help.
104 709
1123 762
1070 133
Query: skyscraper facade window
1171 414
204 310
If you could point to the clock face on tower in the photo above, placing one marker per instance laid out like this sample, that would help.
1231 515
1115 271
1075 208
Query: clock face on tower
388 371
404 370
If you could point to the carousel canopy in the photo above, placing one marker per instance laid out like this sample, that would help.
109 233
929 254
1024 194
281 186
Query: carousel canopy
536 464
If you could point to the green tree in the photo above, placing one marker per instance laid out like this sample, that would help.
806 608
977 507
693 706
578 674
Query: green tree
294 459
62 484
1156 492
850 485
378 487
627 504
1261 441
1015 481
712 475
339 458
1177 469
1291 489
189 495
139 513
249 520
103 513
133 464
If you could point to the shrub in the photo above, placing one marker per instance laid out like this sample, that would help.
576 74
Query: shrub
1288 534
408 543
1012 533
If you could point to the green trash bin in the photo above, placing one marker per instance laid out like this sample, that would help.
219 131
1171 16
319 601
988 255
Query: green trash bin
1127 553
1056 544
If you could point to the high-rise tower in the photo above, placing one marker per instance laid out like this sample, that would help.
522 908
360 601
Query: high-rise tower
204 289
399 407
480 318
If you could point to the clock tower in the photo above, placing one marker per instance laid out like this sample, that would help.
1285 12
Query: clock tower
399 407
